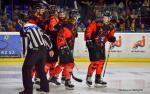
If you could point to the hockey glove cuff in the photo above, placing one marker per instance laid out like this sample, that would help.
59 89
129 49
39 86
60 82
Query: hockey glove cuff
112 39
89 43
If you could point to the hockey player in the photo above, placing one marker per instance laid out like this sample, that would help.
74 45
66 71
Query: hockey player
72 22
52 32
36 52
65 44
97 34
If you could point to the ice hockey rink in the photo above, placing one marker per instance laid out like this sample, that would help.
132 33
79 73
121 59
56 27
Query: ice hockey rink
122 78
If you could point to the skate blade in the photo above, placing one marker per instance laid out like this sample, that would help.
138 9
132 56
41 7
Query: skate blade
53 84
99 86
88 85
43 93
68 88
62 82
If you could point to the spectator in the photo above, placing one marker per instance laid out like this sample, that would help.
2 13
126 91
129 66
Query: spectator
142 27
84 6
11 27
2 29
4 21
146 3
124 13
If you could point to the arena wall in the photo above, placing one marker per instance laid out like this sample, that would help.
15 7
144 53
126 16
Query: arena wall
129 47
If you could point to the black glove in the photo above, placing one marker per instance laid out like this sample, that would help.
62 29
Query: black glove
42 25
89 43
76 34
64 50
112 39
58 27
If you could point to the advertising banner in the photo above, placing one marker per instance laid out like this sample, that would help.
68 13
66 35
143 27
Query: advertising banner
10 44
127 45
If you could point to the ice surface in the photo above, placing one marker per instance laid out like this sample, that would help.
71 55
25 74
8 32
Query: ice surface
122 78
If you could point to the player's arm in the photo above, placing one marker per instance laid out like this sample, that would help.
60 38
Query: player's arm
88 33
111 37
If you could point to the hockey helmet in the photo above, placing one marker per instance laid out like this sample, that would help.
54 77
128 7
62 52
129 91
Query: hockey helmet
107 13
62 13
39 6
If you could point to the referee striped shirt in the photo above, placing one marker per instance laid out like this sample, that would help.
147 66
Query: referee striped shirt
36 38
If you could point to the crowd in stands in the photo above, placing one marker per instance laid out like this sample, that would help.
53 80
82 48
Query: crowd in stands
126 16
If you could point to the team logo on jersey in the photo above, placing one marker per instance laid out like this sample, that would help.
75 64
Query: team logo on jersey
139 43
117 43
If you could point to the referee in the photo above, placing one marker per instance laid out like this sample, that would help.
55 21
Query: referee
36 52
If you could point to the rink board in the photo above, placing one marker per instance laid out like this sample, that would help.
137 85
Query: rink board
10 44
10 61
129 47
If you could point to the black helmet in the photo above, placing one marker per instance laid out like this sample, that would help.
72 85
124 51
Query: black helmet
107 13
53 9
39 6
74 13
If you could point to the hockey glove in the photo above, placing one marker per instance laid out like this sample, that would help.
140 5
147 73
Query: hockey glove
64 50
58 27
89 43
112 39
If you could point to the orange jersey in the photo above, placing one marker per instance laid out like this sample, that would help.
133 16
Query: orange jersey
66 36
98 29
62 35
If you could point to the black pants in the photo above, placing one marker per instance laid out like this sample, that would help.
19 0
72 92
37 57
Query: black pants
35 57
96 53
65 56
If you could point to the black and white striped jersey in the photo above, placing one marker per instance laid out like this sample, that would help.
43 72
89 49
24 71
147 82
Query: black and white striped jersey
35 38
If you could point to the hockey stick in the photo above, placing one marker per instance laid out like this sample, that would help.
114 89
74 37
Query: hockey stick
75 78
107 60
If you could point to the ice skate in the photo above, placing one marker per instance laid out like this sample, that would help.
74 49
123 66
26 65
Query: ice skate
99 82
54 80
88 81
63 80
68 85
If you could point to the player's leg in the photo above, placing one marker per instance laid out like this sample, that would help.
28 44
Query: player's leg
67 73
